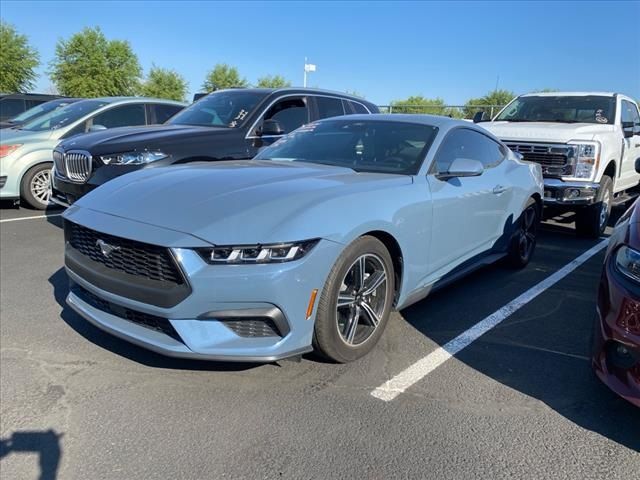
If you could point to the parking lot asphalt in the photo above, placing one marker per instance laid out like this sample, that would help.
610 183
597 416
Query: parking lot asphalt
519 402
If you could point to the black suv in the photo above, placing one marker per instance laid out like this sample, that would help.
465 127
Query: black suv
13 104
225 125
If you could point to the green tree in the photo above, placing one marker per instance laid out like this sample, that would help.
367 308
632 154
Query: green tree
90 65
223 76
275 81
164 83
420 104
490 103
18 61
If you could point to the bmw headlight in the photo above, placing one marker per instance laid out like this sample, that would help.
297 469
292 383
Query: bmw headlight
587 156
132 158
242 254
628 262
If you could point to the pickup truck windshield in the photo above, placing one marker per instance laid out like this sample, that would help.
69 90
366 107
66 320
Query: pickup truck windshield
362 145
62 117
560 109
220 109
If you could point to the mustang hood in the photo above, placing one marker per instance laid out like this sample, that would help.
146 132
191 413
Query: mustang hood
115 140
545 131
244 202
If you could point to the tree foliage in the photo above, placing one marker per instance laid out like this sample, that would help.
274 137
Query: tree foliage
223 76
494 98
90 65
164 83
420 104
18 61
273 81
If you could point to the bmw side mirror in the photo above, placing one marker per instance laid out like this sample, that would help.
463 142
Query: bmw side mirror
480 117
97 128
462 167
271 127
638 165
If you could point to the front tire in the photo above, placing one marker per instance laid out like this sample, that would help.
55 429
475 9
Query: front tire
591 221
523 242
356 301
35 187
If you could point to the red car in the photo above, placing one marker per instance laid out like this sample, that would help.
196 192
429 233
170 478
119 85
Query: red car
616 354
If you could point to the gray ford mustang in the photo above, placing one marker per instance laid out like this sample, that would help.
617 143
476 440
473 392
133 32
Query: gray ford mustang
307 246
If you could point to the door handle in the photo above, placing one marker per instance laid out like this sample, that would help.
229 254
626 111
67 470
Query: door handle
498 189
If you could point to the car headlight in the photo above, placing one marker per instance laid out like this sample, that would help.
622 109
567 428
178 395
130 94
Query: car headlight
132 158
587 156
273 253
628 262
8 149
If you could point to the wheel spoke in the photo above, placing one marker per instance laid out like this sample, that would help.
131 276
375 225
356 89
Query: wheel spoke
373 282
352 325
370 313
360 270
345 300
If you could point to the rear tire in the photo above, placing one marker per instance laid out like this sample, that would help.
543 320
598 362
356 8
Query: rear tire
523 242
349 330
35 187
591 221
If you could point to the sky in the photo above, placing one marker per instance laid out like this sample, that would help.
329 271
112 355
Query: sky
385 51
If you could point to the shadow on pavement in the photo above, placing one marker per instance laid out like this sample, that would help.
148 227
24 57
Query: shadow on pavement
45 443
59 281
542 350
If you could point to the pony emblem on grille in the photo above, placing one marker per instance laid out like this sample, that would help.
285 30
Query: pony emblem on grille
105 248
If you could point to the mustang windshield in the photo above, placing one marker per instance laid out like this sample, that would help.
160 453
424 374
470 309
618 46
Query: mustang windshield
62 117
362 145
562 109
226 108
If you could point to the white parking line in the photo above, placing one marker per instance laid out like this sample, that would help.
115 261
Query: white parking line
29 218
405 379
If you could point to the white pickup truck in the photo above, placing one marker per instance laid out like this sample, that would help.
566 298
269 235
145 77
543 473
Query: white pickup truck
587 143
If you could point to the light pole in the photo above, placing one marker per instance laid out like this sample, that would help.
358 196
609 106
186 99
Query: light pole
308 67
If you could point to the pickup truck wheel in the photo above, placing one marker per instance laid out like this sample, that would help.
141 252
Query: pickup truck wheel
356 301
592 220
35 187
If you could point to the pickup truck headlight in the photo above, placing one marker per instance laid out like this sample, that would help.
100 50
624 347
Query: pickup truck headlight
587 156
274 253
628 263
132 158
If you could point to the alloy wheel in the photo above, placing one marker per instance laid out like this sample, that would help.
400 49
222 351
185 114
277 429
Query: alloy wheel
362 299
604 209
40 186
527 238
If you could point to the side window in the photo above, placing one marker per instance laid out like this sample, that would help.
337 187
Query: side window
329 107
78 129
630 113
465 143
123 116
163 112
34 103
11 107
358 107
291 113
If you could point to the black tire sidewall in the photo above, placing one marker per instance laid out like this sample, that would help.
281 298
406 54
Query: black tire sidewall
514 257
326 338
25 185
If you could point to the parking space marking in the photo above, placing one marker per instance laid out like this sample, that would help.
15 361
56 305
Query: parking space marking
29 218
420 369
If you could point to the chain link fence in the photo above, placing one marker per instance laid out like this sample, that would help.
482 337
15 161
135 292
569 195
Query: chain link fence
454 111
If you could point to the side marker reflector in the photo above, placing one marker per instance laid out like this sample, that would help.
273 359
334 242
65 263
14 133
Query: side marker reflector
312 302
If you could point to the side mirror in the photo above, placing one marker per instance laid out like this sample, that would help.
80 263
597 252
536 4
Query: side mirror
462 167
271 127
97 128
638 165
480 117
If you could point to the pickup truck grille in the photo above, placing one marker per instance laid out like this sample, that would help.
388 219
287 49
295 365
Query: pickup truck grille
75 165
556 160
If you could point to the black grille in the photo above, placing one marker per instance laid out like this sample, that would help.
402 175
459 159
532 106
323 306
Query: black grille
152 322
58 158
128 256
253 327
